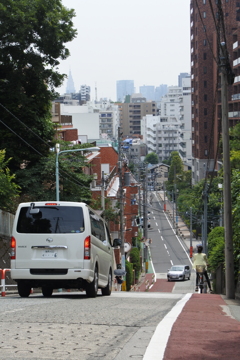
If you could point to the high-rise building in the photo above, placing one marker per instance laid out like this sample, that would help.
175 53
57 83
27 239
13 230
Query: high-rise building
124 88
148 91
181 76
204 78
70 84
160 91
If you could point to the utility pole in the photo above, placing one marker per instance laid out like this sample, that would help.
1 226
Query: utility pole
229 259
205 223
145 213
120 192
102 193
191 247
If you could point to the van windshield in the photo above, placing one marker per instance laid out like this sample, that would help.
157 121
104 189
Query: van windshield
51 220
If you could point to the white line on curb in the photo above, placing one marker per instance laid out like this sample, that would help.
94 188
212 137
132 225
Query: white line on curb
158 342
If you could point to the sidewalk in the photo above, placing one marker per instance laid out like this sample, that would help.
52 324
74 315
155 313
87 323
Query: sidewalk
199 327
204 330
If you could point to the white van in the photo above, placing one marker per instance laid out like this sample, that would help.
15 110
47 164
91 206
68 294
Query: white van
61 245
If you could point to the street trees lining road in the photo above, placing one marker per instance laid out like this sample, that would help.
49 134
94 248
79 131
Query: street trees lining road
33 36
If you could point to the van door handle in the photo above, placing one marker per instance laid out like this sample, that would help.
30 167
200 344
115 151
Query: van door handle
49 247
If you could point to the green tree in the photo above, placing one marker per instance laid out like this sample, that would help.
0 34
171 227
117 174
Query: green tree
152 158
33 34
9 190
38 182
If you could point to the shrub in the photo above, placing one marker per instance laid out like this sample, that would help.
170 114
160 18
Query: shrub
135 260
129 275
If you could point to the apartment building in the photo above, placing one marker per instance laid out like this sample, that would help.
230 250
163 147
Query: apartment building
130 114
162 134
206 123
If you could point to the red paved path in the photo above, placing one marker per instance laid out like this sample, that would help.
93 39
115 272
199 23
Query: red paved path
161 285
203 331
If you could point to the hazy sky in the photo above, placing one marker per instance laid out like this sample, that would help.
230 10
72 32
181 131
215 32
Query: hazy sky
147 41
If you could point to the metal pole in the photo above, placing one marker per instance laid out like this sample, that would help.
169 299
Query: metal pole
173 210
102 193
205 223
229 259
120 193
57 164
191 247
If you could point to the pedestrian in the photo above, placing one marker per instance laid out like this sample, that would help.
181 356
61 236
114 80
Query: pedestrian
201 259
118 283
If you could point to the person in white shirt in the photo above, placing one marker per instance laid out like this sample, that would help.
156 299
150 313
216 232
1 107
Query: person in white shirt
201 259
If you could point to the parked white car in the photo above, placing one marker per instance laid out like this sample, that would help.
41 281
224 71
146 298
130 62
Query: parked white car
61 245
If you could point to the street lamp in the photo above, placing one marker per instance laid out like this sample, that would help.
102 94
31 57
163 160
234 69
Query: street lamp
57 165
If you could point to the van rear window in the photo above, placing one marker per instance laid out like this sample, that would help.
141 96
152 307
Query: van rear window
51 220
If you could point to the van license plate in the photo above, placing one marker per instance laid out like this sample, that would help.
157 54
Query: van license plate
49 254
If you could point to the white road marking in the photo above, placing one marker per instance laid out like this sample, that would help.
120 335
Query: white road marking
171 262
156 224
165 246
158 343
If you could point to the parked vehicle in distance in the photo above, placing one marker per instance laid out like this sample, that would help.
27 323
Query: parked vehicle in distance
61 245
179 272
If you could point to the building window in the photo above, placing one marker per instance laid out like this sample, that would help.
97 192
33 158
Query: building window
204 15
205 111
205 152
205 97
205 83
205 139
204 69
204 2
204 56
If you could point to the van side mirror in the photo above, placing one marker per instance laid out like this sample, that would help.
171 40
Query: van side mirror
117 242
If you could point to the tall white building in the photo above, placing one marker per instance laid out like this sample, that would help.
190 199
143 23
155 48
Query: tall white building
161 134
177 103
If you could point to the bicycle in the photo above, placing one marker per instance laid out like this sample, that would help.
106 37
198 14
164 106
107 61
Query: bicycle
200 269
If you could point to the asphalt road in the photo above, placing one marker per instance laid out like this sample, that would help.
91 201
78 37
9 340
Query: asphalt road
166 248
72 326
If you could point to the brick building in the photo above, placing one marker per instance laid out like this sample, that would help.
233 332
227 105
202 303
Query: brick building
205 79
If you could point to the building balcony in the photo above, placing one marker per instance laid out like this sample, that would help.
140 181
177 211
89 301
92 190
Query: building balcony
235 45
235 97
236 79
234 114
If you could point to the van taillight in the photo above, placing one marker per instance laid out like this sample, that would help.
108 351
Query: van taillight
87 248
13 248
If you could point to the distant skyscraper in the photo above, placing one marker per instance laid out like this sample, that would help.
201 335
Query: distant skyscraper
70 84
124 87
148 92
181 76
160 91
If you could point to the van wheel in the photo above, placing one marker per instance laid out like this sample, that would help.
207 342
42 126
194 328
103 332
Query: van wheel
24 290
47 291
92 288
108 289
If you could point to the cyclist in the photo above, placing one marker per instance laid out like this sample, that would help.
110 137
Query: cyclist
201 259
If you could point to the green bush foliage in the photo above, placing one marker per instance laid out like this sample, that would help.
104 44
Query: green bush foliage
216 247
129 275
135 260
